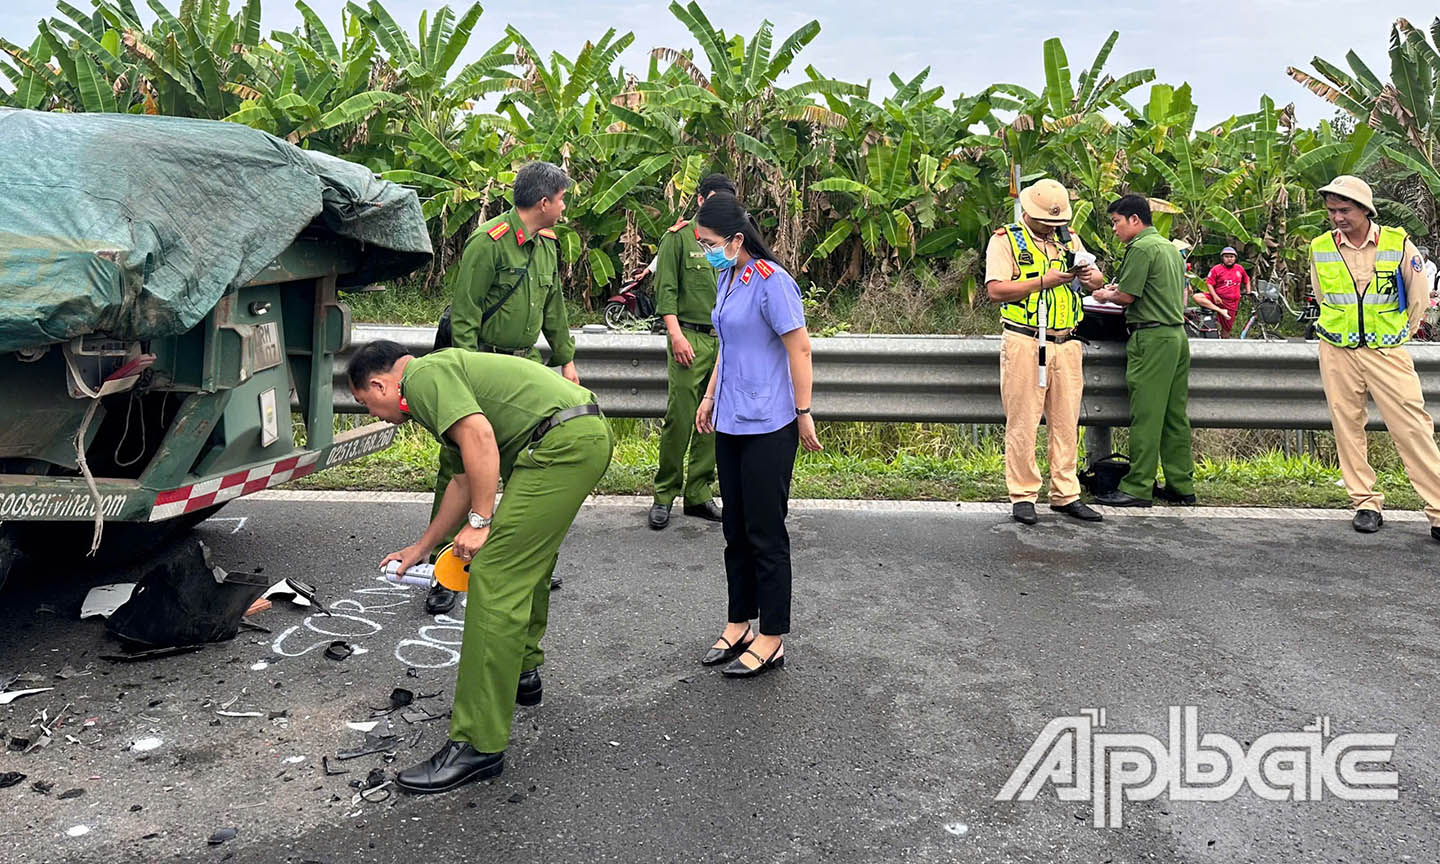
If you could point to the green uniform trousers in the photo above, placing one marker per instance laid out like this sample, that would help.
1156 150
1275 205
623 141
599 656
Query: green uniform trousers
1157 374
508 601
677 434
445 472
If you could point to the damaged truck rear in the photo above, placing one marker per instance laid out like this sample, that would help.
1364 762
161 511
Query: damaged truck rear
168 291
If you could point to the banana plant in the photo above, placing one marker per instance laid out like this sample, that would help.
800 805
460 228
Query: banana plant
1403 109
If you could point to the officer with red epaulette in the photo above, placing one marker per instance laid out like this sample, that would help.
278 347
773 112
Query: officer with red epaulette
685 298
507 291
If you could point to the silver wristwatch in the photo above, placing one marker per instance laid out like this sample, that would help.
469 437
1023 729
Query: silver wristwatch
478 521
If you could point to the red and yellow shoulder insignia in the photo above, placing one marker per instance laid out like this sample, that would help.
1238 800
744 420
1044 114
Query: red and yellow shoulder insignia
678 225
547 233
745 274
765 268
498 230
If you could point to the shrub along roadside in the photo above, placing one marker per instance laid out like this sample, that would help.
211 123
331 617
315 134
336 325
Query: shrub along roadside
897 461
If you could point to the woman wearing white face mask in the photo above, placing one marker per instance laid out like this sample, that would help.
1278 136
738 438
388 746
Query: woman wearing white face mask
758 404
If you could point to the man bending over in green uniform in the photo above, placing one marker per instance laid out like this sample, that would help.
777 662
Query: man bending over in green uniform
496 417
685 298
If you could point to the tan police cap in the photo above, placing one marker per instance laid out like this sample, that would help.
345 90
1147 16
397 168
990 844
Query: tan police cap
1352 187
1047 202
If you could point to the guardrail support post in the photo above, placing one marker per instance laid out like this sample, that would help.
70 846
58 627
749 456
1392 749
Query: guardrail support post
1099 443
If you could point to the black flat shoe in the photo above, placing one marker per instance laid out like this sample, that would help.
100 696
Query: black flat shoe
1120 499
1024 512
1077 509
556 582
452 766
716 656
659 516
1367 521
1170 496
709 511
531 691
440 600
740 670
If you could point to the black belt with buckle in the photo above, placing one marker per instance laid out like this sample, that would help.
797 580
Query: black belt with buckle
513 352
1146 325
1034 333
586 410
698 328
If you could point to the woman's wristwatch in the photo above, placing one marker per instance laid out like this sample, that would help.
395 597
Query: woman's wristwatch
799 412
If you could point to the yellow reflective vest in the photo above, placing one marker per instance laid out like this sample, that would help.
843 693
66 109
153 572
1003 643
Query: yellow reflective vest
1062 304
1348 319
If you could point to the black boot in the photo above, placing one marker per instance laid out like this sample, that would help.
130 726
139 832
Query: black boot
452 766
709 511
1367 521
1024 512
440 600
530 691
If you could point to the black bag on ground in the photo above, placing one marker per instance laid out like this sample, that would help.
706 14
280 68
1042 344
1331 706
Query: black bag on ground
1104 474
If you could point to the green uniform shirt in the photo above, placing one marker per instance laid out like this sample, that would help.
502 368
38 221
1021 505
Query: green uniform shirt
684 281
499 256
1153 272
513 393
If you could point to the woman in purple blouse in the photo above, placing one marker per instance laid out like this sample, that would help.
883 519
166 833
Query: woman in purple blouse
758 404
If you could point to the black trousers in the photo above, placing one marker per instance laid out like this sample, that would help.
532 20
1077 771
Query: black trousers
754 473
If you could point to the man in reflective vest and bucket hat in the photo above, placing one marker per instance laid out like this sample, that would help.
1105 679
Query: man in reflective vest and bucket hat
1370 282
1030 271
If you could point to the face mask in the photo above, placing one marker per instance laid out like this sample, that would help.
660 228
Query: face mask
719 260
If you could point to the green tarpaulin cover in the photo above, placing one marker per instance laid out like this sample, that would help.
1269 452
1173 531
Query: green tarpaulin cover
135 226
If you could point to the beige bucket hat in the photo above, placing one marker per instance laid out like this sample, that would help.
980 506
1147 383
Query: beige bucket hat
1352 187
1046 201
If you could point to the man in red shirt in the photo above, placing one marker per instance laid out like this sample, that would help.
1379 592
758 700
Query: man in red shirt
1227 281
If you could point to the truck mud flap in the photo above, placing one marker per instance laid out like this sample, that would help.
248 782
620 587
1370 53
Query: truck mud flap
182 598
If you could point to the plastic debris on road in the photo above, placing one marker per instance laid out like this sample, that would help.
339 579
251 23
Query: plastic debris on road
103 600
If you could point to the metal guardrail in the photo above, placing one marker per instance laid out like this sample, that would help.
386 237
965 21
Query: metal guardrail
950 379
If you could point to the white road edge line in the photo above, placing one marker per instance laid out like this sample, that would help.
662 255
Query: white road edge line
641 502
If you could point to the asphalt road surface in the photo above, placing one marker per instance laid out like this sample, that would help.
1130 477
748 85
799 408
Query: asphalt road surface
932 645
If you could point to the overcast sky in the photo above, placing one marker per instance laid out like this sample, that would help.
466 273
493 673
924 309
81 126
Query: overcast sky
1230 51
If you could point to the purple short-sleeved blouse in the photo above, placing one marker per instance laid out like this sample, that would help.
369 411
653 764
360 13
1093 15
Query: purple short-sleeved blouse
755 306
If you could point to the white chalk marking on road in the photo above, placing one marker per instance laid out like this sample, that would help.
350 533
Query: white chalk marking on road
238 520
967 508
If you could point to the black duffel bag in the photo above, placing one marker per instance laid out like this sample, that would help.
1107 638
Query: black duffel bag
1104 474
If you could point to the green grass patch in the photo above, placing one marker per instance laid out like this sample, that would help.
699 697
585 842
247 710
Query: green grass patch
935 462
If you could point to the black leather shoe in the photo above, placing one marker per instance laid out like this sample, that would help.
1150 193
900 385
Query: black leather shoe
440 600
659 516
1120 499
1435 532
740 670
1170 496
1077 509
1369 521
716 656
556 582
1024 512
452 766
709 511
531 691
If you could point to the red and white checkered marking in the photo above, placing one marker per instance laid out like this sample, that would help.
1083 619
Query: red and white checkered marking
216 490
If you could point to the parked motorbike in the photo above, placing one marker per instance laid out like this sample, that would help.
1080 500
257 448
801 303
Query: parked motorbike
633 308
